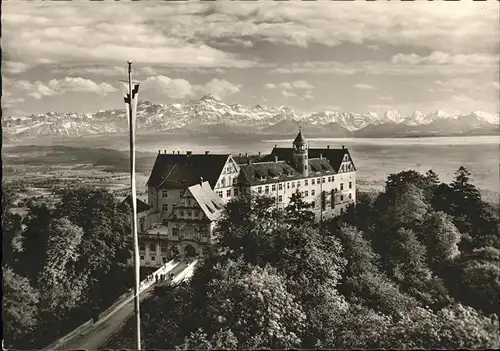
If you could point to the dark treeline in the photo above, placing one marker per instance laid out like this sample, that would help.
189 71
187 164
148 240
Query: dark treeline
414 267
62 264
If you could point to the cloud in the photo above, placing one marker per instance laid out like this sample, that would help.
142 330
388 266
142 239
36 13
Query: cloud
13 68
443 58
54 87
287 93
182 89
465 84
399 68
363 86
386 98
220 88
298 84
173 88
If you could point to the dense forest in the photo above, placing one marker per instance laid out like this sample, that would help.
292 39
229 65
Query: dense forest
62 264
414 267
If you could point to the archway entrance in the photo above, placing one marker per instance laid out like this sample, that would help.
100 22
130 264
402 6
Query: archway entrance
189 251
174 252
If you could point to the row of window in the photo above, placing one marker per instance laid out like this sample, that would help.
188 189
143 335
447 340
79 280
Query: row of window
229 193
280 186
230 181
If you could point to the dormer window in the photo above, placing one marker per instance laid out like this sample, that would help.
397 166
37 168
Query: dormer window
164 193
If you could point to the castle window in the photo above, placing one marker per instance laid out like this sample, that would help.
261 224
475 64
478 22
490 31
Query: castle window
333 178
323 179
318 180
235 191
280 198
273 187
306 193
329 179
163 248
350 185
164 207
228 193
267 189
259 190
188 213
175 231
350 196
152 247
341 186
288 185
341 197
141 247
313 204
293 184
142 257
298 183
153 258
164 193
312 182
306 183
235 181
280 186
181 213
313 192
223 182
219 193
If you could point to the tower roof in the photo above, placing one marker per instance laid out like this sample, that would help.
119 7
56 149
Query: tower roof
299 139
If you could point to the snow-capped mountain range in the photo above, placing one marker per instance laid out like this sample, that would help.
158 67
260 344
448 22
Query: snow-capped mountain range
210 115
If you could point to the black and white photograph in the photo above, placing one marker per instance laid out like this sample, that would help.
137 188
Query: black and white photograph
198 175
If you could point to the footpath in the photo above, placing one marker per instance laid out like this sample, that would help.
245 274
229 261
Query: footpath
91 336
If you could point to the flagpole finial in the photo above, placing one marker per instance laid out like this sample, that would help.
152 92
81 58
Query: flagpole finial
129 66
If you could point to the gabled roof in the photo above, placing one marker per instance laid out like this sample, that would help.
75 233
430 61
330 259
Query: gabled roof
186 170
267 172
243 159
141 206
210 203
317 165
334 156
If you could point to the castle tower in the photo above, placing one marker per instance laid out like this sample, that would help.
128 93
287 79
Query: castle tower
300 154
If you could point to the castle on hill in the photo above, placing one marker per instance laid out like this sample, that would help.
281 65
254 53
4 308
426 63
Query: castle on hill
187 192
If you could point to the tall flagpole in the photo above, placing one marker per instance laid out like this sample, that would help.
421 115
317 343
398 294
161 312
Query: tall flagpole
134 205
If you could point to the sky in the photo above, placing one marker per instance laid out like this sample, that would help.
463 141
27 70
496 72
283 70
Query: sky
311 56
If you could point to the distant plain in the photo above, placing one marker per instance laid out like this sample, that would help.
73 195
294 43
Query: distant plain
374 158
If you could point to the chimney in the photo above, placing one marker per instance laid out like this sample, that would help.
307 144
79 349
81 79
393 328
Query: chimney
275 146
343 147
320 156
240 154
259 153
328 146
201 181
246 154
189 153
173 152
206 152
159 151
275 159
165 151
178 152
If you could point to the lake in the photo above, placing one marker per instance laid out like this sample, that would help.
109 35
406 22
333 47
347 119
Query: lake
374 158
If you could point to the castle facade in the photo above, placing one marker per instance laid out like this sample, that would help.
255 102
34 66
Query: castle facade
187 192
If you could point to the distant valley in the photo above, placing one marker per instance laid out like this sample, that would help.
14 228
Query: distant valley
211 116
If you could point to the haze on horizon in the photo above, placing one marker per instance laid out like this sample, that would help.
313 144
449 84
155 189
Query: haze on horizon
313 56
